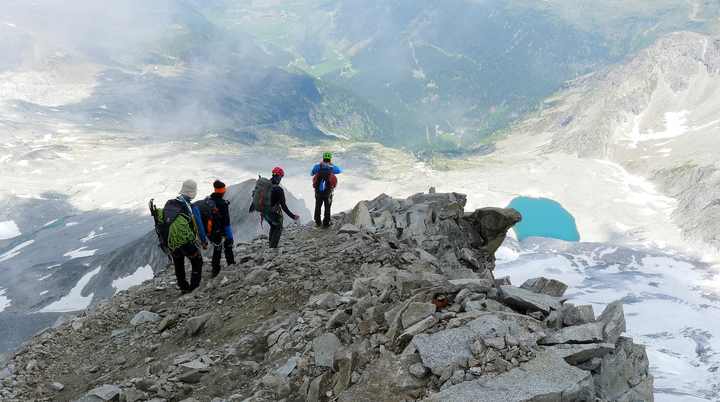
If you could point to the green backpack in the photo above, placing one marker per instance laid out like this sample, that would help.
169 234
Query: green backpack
172 225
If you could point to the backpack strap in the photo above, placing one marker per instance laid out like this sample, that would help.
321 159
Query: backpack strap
191 215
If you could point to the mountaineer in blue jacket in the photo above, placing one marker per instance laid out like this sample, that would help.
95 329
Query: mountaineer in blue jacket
324 182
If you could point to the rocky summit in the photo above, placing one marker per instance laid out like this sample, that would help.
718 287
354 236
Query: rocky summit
396 301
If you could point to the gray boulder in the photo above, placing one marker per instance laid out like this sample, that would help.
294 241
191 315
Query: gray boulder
546 378
388 379
527 300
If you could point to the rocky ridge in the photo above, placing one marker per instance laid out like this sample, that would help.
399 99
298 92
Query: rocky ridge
396 302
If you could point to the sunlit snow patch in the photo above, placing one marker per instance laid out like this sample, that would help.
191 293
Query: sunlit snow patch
64 156
639 191
674 126
91 236
15 251
4 301
8 230
139 276
79 253
506 254
74 300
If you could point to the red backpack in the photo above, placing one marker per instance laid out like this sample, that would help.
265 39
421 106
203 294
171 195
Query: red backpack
324 179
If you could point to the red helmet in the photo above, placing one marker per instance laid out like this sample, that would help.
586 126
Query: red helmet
278 172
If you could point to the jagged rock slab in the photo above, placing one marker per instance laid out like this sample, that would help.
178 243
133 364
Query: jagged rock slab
388 380
629 376
576 354
528 300
585 333
452 346
546 378
550 287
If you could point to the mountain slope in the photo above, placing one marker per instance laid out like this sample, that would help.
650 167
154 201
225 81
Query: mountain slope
457 71
179 77
99 250
655 114
346 315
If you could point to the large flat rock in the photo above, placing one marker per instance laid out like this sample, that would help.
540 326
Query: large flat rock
546 378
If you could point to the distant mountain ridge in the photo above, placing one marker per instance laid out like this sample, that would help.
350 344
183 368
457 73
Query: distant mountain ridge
417 75
456 71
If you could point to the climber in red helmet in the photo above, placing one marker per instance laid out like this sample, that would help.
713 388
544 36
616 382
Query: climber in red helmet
278 206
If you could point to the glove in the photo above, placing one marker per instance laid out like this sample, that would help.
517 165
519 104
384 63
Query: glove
296 217
229 243
204 246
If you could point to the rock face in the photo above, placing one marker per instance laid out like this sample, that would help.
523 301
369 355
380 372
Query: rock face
395 302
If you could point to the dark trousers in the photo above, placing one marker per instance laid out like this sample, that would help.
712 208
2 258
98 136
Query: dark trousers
274 235
276 226
221 245
322 200
190 251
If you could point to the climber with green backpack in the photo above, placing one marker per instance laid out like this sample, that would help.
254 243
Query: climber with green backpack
178 225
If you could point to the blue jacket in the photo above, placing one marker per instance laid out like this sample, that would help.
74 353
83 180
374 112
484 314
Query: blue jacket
335 169
222 206
198 220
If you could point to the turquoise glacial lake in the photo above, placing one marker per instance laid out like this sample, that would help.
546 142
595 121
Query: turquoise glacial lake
543 217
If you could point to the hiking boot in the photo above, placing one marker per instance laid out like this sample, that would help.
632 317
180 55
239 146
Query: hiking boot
317 225
184 291
325 226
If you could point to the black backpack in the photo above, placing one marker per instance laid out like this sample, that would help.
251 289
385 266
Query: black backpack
163 218
210 215
262 196
324 180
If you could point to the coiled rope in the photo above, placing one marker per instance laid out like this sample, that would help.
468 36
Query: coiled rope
180 232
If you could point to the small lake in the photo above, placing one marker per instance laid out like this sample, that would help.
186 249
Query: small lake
543 217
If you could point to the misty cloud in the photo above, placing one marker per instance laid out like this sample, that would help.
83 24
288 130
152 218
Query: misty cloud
38 29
